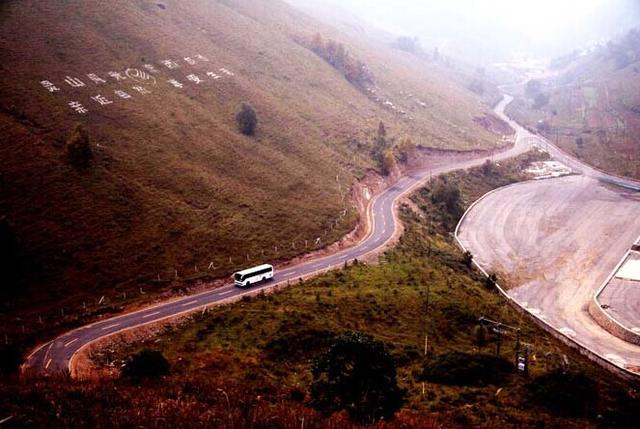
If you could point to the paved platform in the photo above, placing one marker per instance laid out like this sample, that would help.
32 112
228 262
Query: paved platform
620 298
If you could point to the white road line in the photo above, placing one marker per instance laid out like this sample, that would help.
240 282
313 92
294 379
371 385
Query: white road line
189 303
226 292
47 365
110 326
71 342
150 314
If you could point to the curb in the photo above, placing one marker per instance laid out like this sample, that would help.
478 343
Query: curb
572 343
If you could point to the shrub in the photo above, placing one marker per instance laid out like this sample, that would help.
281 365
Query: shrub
480 336
247 119
467 258
540 101
389 163
491 281
448 194
464 369
569 393
487 167
357 374
532 88
146 364
79 152
355 71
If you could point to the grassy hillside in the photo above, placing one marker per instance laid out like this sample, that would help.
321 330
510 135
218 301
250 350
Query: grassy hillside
592 107
174 191
259 351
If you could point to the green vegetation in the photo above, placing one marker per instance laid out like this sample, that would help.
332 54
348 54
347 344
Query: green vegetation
146 364
356 374
591 109
466 369
338 56
566 392
247 119
259 352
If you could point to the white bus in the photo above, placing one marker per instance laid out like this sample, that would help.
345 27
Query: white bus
251 276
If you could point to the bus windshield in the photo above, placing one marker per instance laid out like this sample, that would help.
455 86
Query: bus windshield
238 277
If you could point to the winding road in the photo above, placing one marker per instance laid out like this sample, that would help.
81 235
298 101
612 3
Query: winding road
556 241
57 355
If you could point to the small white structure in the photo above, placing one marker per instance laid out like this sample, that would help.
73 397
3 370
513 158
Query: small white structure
630 270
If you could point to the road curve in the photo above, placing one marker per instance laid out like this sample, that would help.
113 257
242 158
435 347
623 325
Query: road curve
557 240
56 356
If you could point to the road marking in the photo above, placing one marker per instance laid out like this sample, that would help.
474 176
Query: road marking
150 314
47 365
110 326
189 303
71 342
226 292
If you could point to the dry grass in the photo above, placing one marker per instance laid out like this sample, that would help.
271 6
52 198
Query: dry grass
259 350
174 186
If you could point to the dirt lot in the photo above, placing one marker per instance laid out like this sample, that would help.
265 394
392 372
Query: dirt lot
555 241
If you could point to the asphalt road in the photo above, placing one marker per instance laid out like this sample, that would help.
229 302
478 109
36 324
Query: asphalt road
54 357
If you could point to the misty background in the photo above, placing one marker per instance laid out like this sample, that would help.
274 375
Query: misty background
490 31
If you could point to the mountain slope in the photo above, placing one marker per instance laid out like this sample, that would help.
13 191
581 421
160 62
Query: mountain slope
174 190
591 108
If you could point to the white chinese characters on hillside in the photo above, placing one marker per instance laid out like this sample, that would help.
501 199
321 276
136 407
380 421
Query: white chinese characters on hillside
137 81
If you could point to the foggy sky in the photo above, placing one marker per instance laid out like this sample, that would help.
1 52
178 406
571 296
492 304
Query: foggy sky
497 30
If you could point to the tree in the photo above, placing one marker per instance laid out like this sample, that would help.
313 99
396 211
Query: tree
448 194
357 374
533 87
540 100
389 163
380 146
487 167
9 260
406 150
79 152
247 119
408 44
146 364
